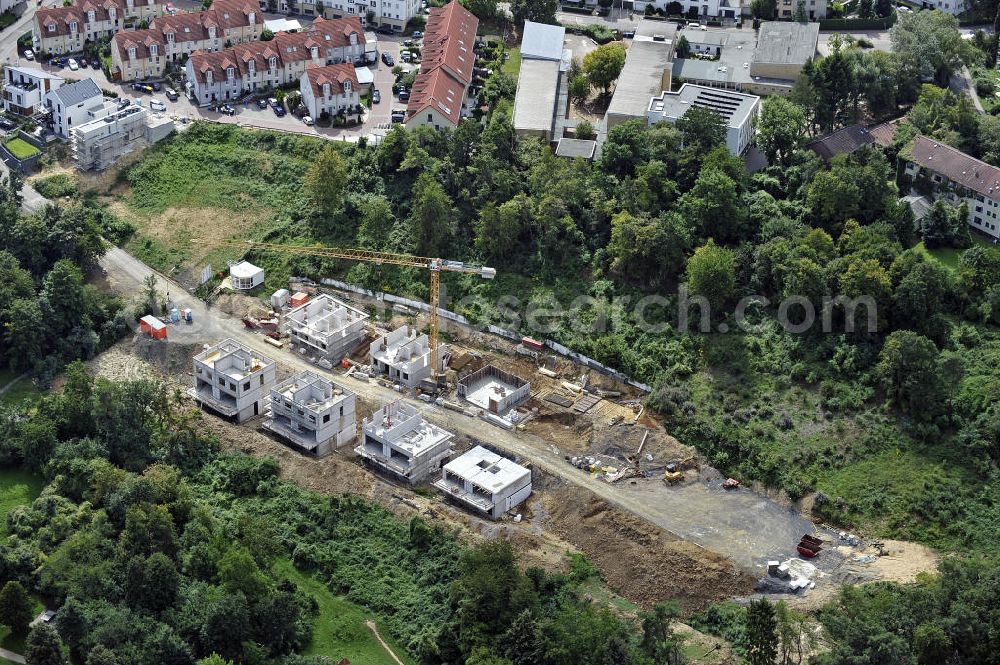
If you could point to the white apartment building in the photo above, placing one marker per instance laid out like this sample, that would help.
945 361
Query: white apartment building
325 329
948 6
233 380
738 111
24 89
313 413
101 142
401 355
721 9
398 441
330 90
76 104
957 177
485 482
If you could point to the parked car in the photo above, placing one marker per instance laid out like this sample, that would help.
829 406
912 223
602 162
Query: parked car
384 30
142 87
404 95
417 34
308 120
398 115
157 105
83 63
29 54
279 110
123 102
262 103
171 94
156 86
376 96
73 65
406 56
388 59
227 109
54 62
6 125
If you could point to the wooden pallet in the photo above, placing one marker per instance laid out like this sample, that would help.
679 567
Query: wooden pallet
586 403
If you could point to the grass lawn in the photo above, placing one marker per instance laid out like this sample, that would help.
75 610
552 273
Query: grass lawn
20 391
17 488
7 19
21 148
513 64
949 256
340 630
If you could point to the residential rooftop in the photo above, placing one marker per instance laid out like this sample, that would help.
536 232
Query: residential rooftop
233 359
402 426
486 469
646 74
542 41
955 165
842 142
309 390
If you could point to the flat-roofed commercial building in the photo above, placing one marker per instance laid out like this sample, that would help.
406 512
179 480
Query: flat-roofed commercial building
738 111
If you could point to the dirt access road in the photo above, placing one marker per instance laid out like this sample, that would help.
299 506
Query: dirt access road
742 525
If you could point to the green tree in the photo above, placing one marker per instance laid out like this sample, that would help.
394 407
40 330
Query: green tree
866 8
908 371
325 181
603 65
63 291
945 226
579 88
101 655
239 572
43 646
484 10
702 129
930 45
714 205
711 272
539 11
800 15
585 130
761 633
683 48
780 129
764 9
659 641
432 216
15 608
266 35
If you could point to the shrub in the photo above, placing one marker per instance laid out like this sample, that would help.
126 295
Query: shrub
56 186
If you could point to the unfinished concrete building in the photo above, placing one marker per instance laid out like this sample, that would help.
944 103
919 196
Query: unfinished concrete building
493 389
485 482
398 441
402 355
312 413
100 143
232 380
325 329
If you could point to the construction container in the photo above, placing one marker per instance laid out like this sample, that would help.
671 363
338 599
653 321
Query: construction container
299 298
153 327
531 343
188 316
279 299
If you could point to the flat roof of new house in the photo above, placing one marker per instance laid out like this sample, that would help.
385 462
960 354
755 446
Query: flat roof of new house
535 102
648 29
786 43
486 469
576 148
641 78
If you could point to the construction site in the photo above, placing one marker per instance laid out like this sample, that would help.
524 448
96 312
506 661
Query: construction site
602 477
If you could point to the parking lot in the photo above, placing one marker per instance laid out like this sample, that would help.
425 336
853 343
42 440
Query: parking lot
249 115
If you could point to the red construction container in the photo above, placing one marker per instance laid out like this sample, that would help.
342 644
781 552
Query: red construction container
299 299
153 327
532 343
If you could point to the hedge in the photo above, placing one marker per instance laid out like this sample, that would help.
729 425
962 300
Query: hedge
599 33
857 23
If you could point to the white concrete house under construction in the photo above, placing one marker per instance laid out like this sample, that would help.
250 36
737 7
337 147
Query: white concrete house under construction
312 413
325 329
402 355
398 441
485 482
232 380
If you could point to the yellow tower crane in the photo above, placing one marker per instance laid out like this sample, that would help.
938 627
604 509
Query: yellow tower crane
436 266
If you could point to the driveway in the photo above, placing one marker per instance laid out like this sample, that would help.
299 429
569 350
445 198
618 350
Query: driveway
617 20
